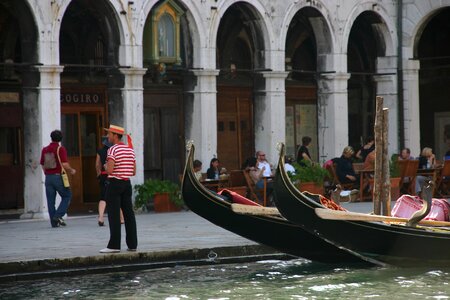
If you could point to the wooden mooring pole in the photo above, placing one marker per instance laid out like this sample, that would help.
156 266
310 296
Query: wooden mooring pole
382 183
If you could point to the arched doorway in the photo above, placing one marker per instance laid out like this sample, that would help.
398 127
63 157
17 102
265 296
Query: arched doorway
90 87
433 51
240 46
301 84
168 55
364 46
18 55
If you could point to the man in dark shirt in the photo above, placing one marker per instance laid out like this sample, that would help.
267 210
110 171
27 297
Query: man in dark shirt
51 156
303 151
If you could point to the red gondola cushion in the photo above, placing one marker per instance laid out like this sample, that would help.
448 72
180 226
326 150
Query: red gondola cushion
236 198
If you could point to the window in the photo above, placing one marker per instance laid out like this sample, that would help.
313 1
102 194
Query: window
166 36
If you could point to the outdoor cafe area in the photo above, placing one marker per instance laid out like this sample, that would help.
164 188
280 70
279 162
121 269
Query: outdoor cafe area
405 183
240 182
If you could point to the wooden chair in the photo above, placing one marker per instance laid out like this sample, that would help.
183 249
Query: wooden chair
443 181
408 173
254 193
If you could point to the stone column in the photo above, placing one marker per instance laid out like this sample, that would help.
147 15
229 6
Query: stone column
201 115
387 88
333 115
133 115
41 117
411 105
270 114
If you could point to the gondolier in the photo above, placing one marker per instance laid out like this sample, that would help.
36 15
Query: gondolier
120 166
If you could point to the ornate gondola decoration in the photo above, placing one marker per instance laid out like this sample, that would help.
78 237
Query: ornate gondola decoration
376 241
271 230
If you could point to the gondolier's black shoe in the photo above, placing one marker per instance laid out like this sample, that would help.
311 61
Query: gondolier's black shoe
59 221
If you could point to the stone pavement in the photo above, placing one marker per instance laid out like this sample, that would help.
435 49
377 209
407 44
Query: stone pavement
28 246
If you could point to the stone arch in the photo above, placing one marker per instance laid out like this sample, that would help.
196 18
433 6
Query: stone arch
116 23
26 22
421 13
326 41
421 26
386 29
367 41
265 27
195 27
432 49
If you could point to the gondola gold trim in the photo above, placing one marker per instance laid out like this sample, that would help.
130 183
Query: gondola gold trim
329 214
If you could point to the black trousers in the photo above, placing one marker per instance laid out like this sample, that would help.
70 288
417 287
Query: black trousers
118 195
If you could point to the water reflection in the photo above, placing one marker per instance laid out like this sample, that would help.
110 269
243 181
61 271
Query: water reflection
295 279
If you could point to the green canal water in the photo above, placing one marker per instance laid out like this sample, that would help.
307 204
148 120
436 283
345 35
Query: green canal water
295 279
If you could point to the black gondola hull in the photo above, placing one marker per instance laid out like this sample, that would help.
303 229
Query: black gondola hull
271 231
377 242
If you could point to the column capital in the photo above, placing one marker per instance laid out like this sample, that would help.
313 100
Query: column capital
335 76
133 71
274 74
205 72
50 69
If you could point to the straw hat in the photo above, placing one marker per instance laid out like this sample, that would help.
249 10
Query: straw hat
116 129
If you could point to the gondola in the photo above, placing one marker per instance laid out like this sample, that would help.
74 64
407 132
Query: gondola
377 242
272 231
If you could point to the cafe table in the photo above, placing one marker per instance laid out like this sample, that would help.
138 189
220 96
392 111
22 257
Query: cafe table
216 184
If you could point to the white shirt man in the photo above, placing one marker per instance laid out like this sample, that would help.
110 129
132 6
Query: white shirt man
263 164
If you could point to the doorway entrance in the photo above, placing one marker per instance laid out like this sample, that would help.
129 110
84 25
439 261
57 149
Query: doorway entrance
82 127
11 154
235 138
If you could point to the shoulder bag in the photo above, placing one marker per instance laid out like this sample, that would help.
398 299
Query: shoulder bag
64 176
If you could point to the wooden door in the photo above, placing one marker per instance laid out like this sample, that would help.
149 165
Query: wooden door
235 136
163 135
82 130
11 157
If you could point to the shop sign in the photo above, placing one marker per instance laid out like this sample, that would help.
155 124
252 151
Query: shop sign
81 98
9 97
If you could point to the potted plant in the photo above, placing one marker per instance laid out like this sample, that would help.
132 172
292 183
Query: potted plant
165 194
394 174
309 177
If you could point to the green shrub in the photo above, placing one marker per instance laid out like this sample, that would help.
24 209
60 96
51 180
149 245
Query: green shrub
150 187
394 170
309 172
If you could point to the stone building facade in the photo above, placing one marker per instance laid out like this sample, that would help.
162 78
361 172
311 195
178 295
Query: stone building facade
234 76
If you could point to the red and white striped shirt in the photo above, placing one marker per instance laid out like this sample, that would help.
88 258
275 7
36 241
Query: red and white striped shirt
124 160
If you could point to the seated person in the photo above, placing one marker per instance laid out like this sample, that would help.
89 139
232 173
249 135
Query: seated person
369 164
368 147
263 164
405 154
198 169
257 174
447 155
427 160
344 166
214 170
288 160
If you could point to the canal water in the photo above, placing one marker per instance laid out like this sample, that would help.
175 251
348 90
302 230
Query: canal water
295 279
